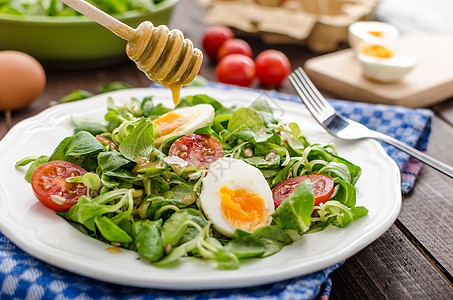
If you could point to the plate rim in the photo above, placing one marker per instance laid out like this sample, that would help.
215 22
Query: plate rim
193 283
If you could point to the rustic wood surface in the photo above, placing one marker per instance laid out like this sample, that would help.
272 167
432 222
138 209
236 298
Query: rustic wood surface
414 258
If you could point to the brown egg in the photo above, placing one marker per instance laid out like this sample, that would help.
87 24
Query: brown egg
22 80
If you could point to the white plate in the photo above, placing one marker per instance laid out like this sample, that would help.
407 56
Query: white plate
42 234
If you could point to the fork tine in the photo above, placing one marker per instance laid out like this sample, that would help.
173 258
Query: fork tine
321 102
310 95
303 94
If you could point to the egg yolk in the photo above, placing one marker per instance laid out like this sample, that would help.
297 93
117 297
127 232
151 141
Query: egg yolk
376 51
243 209
169 122
377 33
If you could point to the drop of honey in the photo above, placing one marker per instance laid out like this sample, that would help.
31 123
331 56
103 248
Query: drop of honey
113 250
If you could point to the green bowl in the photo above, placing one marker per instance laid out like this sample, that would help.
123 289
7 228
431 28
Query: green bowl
76 41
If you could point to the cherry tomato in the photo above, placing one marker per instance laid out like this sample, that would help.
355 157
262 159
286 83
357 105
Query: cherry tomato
272 67
322 188
234 46
105 140
50 179
213 38
236 69
200 150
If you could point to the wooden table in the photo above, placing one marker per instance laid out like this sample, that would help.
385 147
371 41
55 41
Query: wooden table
414 258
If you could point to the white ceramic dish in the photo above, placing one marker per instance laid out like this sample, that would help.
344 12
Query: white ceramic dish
38 231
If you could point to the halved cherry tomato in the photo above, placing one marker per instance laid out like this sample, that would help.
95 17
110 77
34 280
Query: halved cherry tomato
200 150
322 188
103 139
50 179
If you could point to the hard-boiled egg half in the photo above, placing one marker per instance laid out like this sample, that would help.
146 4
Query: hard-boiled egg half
235 195
182 121
385 63
372 32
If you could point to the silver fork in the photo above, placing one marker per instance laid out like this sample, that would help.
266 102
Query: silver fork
344 128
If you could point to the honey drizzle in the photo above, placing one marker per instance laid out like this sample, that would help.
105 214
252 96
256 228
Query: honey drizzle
165 56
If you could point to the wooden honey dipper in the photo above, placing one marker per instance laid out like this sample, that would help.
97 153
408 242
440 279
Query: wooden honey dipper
162 54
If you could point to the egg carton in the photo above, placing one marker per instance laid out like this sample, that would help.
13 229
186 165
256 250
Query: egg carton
321 25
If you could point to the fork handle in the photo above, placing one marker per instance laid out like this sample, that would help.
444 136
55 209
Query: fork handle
436 164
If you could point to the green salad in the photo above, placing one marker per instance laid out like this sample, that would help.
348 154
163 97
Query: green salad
200 180
55 8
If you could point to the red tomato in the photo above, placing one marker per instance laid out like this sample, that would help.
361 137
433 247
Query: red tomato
200 150
50 179
213 38
322 188
103 139
236 69
272 67
234 46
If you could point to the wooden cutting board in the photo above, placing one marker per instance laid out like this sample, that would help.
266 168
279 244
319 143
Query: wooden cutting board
431 81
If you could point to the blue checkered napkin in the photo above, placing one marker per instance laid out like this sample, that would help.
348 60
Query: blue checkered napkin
411 126
24 277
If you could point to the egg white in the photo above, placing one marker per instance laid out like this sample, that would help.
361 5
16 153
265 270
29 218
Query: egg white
236 174
197 116
387 70
359 31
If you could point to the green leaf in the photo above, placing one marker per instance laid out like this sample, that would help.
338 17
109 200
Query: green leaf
317 152
147 106
92 127
110 231
205 99
274 233
111 160
358 212
180 224
83 143
345 193
273 239
25 161
120 173
174 255
158 110
256 134
220 122
36 164
183 102
261 104
242 119
226 260
245 246
295 212
336 170
197 82
113 86
207 130
60 151
260 162
148 240
74 95
87 209
92 181
139 142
